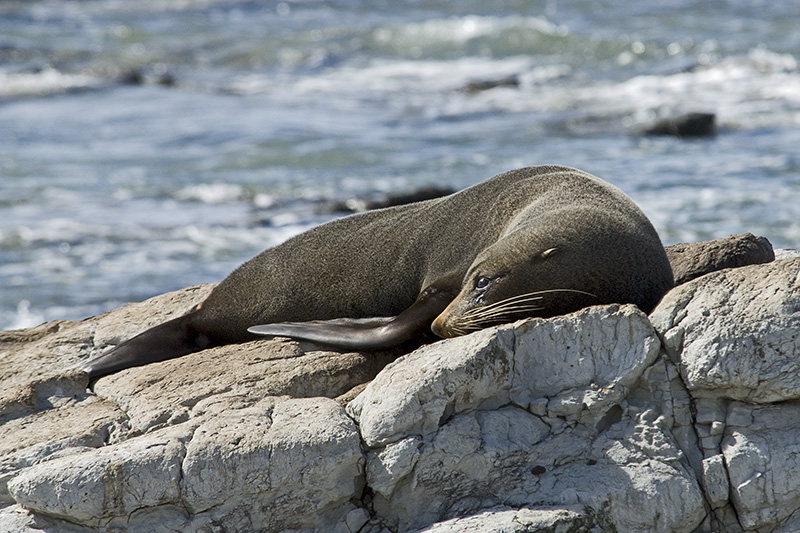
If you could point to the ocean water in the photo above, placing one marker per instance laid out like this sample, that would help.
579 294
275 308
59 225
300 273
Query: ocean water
147 146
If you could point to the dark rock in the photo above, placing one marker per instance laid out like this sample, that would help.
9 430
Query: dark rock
355 205
139 77
485 85
692 260
132 77
689 125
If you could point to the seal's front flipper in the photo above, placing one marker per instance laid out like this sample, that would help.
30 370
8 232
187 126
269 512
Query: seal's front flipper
357 333
166 341
366 333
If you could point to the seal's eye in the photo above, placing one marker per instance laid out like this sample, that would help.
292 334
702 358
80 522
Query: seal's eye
483 283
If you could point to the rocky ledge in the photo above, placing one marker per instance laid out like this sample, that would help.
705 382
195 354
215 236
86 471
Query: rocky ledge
606 420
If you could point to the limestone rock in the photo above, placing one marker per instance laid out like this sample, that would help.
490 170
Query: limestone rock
35 366
472 370
167 392
734 335
736 332
760 449
526 415
786 253
518 521
289 464
30 440
243 468
96 486
55 434
16 519
600 420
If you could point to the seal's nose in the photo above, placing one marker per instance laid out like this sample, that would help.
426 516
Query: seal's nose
438 328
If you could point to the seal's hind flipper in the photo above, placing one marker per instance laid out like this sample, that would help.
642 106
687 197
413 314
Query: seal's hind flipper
166 341
366 333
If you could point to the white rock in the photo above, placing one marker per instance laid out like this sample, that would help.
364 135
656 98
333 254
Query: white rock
356 519
274 466
735 332
761 459
392 464
583 361
543 425
16 519
786 253
92 487
715 480
70 429
244 467
587 358
517 521
457 412
463 373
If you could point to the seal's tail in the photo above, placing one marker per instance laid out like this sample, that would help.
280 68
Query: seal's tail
166 341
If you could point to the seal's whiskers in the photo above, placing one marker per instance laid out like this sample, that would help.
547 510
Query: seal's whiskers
503 306
480 317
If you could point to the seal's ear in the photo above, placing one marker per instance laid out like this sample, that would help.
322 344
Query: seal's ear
549 253
366 333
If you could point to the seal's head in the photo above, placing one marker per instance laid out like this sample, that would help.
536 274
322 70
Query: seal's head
544 270
502 288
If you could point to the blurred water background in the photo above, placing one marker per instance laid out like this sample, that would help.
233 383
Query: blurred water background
151 145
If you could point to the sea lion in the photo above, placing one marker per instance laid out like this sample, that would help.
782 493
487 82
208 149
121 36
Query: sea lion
537 241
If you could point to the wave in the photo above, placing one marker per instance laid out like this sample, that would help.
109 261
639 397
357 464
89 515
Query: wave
759 89
579 81
44 82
